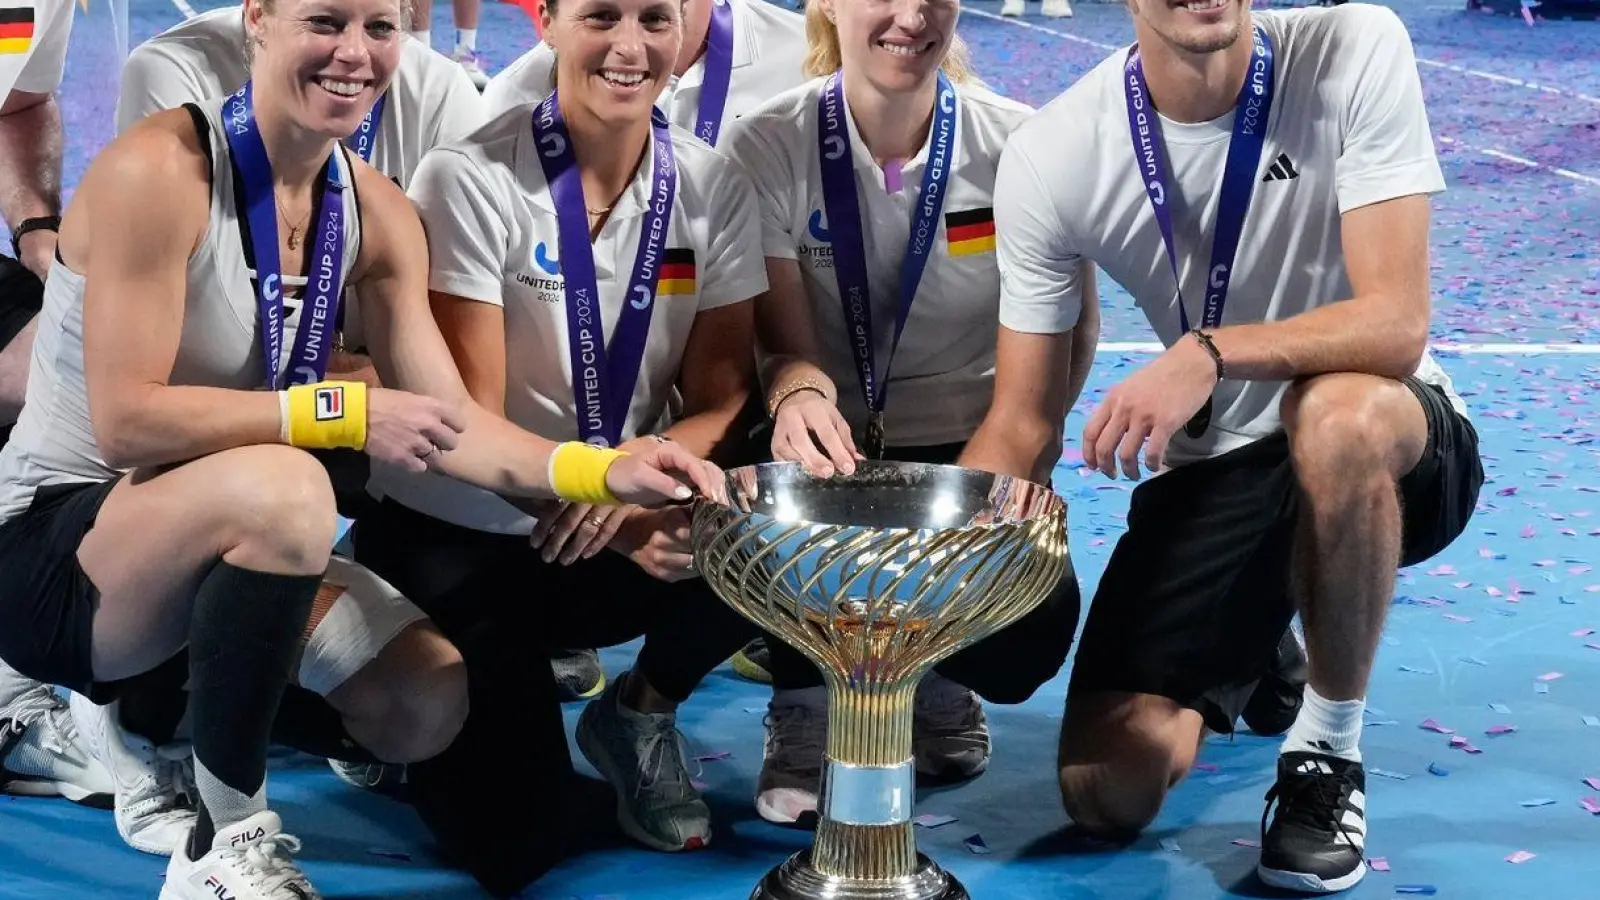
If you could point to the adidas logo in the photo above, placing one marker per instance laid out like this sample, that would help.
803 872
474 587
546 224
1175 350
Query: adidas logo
1281 170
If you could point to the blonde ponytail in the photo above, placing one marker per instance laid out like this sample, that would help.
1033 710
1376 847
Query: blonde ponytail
822 55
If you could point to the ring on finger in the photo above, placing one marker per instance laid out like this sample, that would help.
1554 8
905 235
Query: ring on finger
596 521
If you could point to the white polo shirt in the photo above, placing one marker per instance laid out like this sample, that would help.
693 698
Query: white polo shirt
769 48
493 238
1347 120
942 376
431 100
34 35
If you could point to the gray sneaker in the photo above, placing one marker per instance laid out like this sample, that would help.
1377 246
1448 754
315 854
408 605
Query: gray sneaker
791 764
579 674
388 779
951 731
642 756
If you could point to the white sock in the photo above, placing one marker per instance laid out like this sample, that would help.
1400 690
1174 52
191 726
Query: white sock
13 685
467 37
425 36
1329 727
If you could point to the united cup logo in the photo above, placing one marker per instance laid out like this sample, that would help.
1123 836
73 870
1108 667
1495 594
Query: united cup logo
641 299
330 403
835 145
554 145
269 287
947 101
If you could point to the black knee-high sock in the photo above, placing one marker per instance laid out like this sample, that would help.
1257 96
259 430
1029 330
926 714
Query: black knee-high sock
152 704
242 641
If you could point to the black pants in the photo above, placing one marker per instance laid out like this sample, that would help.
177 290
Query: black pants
1006 667
505 609
1196 595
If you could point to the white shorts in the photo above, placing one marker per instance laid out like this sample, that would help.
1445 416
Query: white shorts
362 621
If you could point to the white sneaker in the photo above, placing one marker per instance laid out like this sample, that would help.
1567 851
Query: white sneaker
253 860
473 63
43 755
1014 8
155 793
1057 9
791 764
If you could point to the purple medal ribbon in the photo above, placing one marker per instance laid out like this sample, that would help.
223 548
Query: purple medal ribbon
719 71
849 248
313 345
366 137
1238 180
604 376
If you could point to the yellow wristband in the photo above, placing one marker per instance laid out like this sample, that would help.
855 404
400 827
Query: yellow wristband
326 415
578 473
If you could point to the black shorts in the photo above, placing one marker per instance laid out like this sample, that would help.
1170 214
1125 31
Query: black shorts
21 298
1196 596
47 602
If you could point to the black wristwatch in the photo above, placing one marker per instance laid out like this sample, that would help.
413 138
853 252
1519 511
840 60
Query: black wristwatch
37 223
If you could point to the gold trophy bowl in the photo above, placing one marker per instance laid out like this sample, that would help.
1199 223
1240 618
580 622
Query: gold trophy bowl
876 577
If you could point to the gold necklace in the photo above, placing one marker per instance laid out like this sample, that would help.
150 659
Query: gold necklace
294 230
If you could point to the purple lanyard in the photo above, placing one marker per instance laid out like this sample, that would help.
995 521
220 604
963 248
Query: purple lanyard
313 346
366 137
603 377
1238 178
849 248
719 71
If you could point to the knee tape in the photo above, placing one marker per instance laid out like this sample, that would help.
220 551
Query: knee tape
365 617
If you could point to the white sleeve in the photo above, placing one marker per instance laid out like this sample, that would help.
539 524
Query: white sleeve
525 81
42 73
152 81
1040 276
1388 146
768 165
734 269
461 109
467 234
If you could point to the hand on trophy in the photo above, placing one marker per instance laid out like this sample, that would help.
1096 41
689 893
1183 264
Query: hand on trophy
809 430
658 473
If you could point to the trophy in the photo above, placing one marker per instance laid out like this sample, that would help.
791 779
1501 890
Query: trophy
876 577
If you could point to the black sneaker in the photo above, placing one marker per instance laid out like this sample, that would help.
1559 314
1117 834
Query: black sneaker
1317 842
579 674
1273 706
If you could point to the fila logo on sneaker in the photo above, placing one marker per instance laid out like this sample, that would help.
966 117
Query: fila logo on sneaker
218 888
248 837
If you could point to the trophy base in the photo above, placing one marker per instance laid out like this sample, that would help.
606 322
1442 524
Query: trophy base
796 880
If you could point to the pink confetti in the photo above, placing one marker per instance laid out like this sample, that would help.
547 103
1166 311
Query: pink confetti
1431 725
1246 842
1378 864
1461 743
1593 782
1442 570
1455 618
1550 676
1205 767
1579 570
1486 553
1583 632
1527 531
1521 856
1500 729
1463 585
1493 591
1590 805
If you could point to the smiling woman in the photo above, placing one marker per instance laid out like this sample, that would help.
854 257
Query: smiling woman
593 268
154 497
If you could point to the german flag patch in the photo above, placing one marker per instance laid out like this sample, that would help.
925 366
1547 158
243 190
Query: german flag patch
16 30
970 231
677 278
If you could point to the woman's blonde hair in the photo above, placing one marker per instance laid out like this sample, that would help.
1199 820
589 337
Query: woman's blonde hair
822 57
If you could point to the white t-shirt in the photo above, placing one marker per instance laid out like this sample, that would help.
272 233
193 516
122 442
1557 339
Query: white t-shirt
942 376
33 52
1347 119
769 48
430 101
493 238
